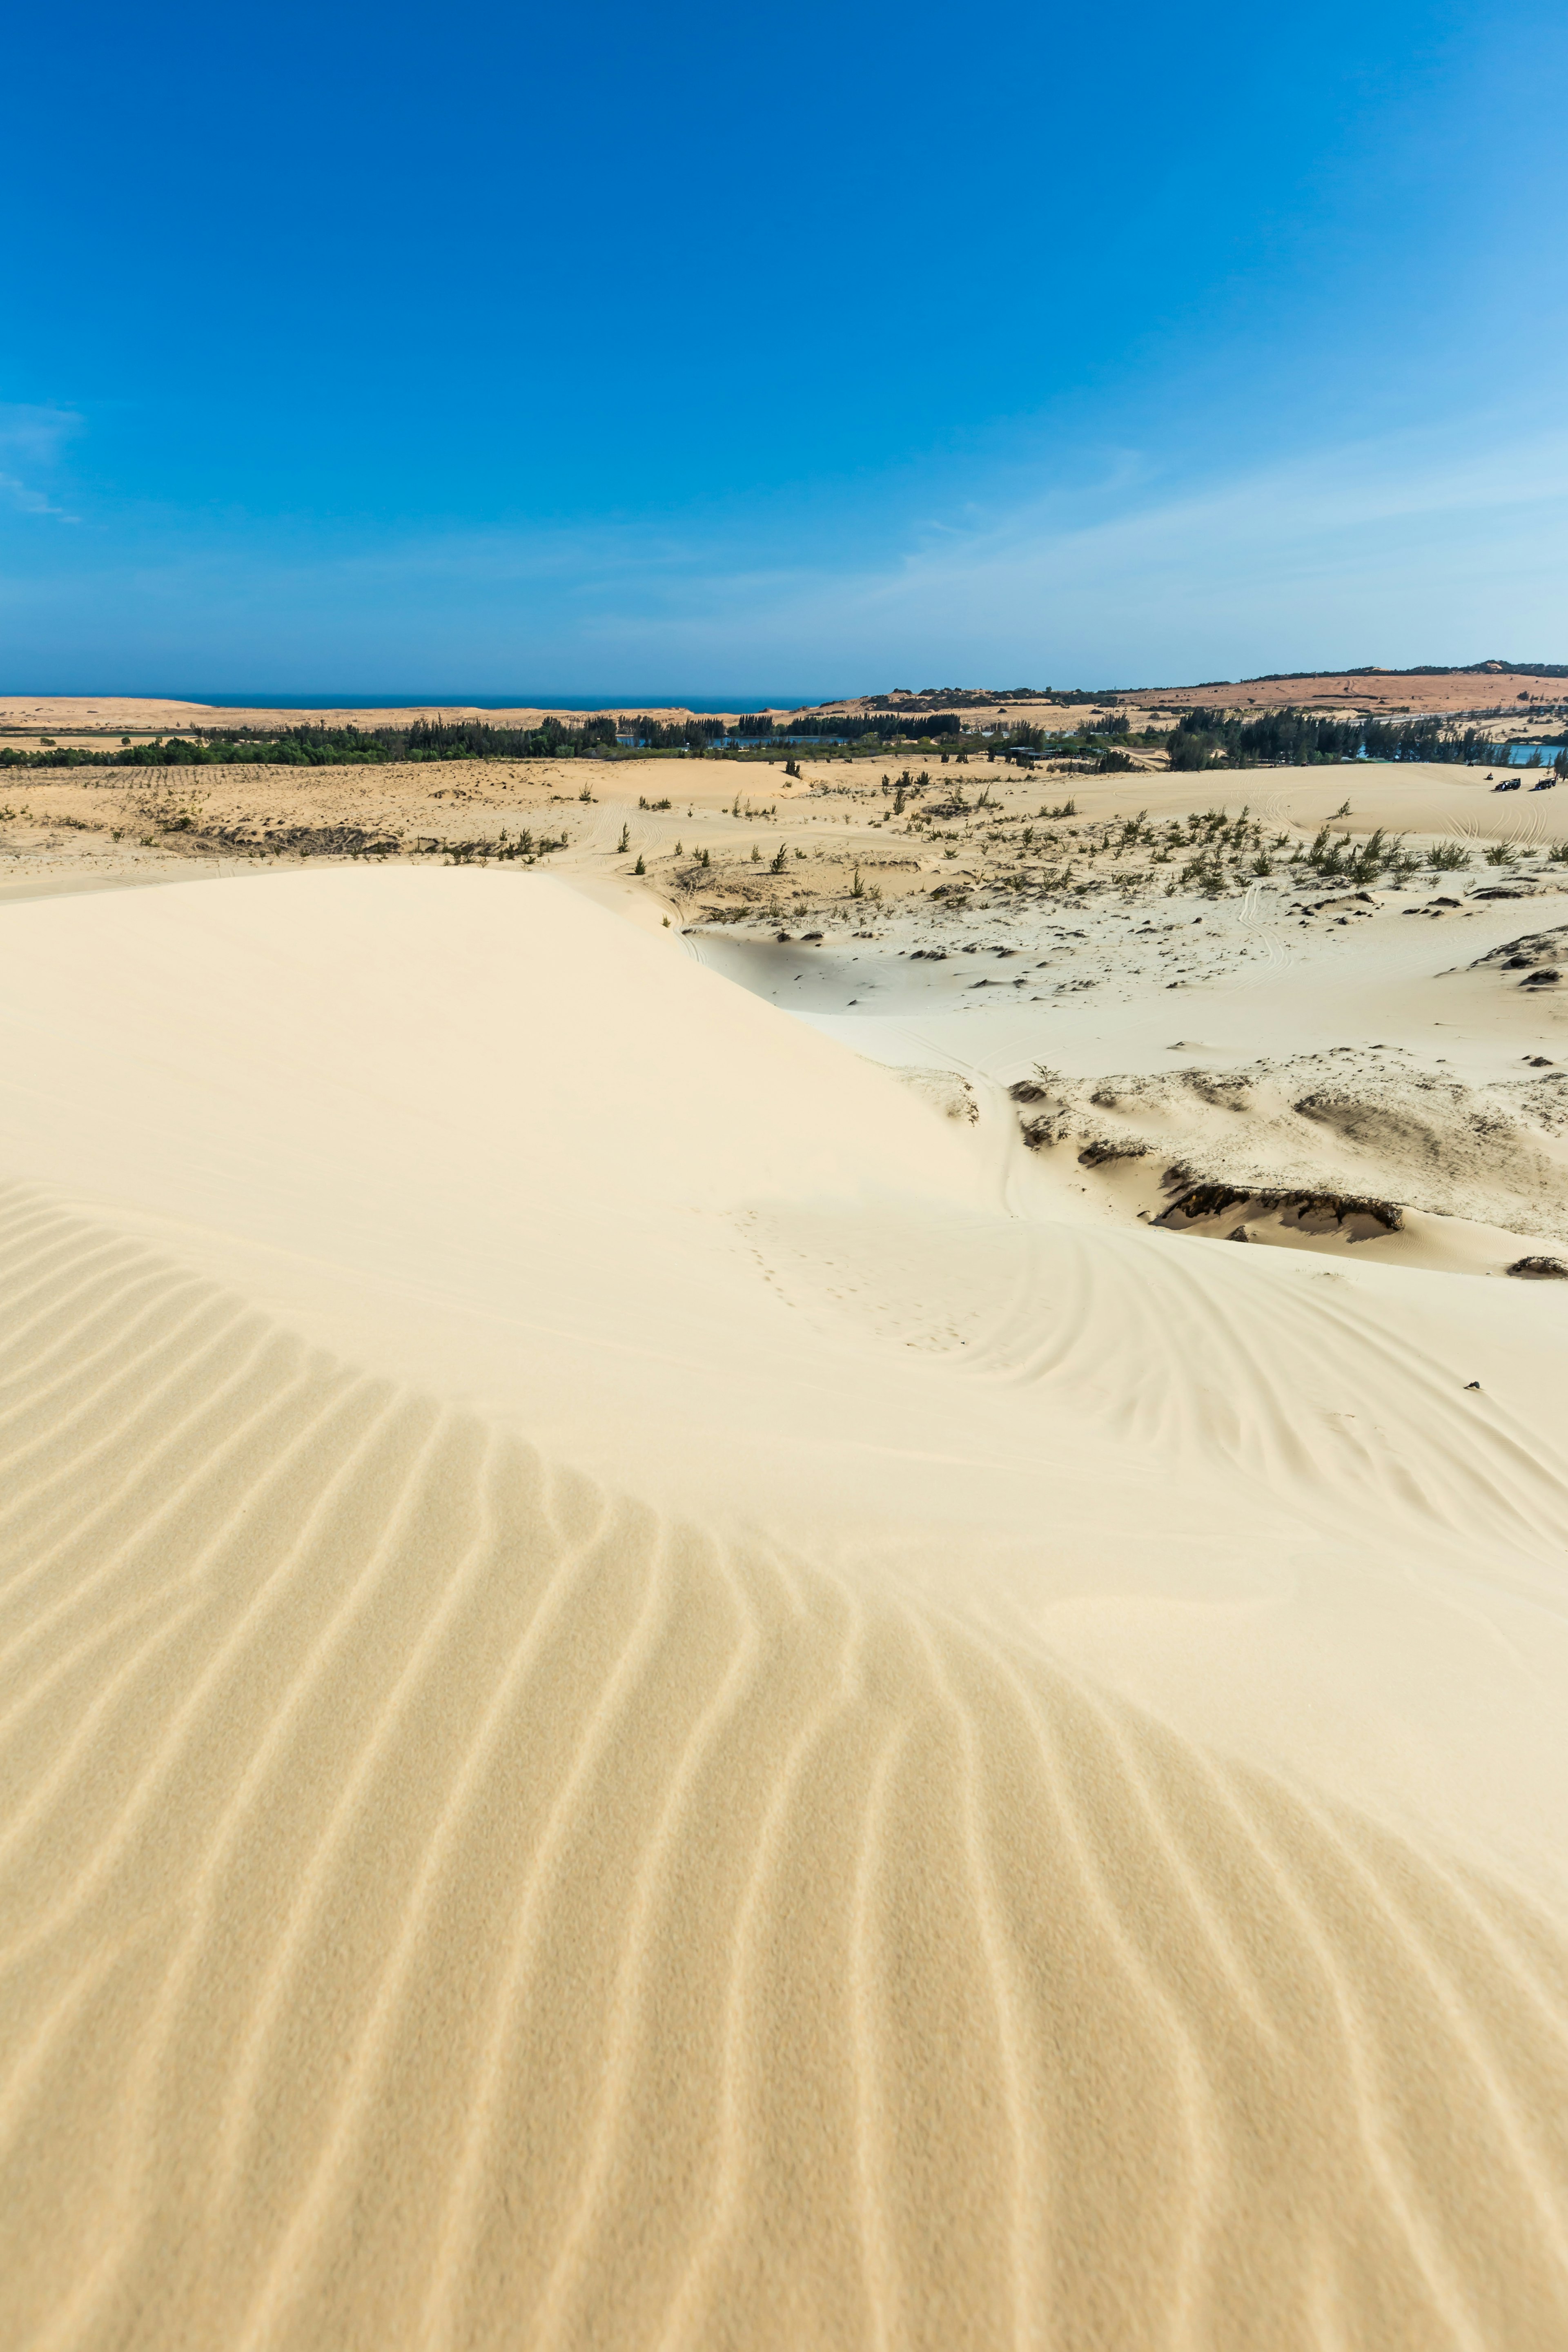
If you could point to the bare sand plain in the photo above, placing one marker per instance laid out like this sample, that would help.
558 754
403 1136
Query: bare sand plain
688 1659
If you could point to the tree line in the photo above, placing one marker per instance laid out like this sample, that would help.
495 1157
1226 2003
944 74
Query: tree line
330 746
319 746
1294 739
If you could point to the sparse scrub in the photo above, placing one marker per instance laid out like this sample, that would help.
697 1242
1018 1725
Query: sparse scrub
1326 856
165 806
1206 873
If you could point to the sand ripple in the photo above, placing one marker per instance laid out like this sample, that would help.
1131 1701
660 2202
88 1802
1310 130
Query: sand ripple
444 1905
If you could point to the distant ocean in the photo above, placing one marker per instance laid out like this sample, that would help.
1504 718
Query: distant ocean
519 701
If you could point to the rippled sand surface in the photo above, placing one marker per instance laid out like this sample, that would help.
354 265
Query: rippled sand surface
635 1712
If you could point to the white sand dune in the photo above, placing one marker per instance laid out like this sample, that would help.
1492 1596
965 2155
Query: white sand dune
633 1714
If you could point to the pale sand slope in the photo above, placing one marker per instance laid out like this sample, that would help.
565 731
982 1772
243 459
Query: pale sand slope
634 1714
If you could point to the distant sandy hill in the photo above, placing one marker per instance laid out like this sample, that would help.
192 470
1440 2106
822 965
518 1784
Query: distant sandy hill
1483 685
148 715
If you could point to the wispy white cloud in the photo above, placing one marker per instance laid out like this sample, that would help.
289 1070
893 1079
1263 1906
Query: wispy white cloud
1416 546
31 441
1420 546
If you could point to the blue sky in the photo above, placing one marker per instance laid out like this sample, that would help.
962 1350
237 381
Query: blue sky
786 351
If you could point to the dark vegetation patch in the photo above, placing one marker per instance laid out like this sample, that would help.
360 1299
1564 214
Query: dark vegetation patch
358 841
307 840
1198 1203
1099 1153
1534 948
